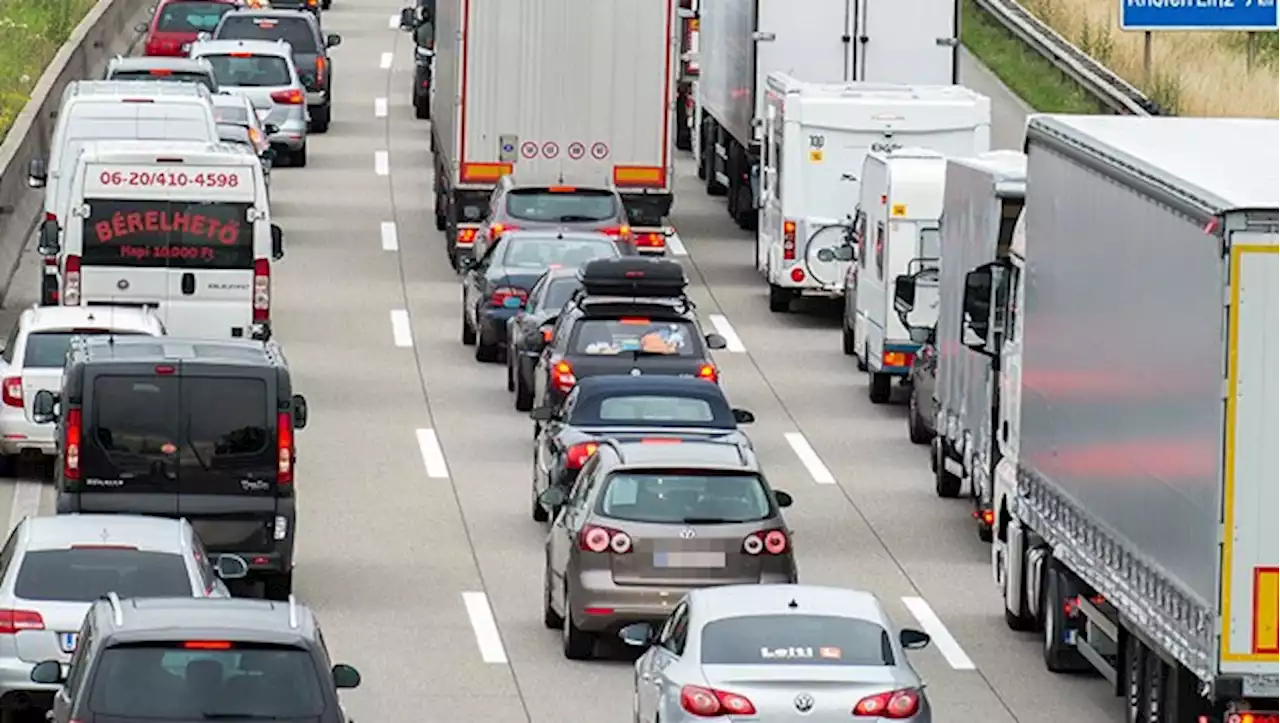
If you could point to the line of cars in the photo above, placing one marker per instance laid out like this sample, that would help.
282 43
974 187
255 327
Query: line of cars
148 373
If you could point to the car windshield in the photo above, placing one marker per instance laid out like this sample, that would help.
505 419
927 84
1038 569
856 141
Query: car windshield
649 336
250 71
655 409
537 253
796 640
191 17
86 574
48 349
578 205
559 292
206 680
166 76
296 31
679 497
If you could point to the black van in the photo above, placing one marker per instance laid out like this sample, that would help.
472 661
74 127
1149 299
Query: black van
201 429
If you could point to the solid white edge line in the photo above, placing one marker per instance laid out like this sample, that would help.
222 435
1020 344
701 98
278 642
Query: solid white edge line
394 22
676 246
484 627
732 342
385 61
379 107
401 331
810 459
25 503
381 163
432 455
942 638
390 241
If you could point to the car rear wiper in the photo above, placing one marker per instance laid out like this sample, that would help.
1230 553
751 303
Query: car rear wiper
645 352
710 521
571 218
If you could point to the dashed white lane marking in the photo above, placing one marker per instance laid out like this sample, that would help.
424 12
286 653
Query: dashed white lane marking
26 501
732 342
385 61
390 240
810 459
676 246
432 456
942 639
394 22
484 627
400 329
381 163
379 107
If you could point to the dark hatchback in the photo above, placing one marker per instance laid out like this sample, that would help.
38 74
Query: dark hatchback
526 335
625 408
200 429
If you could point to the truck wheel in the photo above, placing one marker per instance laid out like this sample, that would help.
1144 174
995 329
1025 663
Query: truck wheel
442 218
421 107
1135 679
945 484
744 213
779 299
1155 688
1059 656
1021 623
709 169
847 340
861 361
878 387
684 137
915 423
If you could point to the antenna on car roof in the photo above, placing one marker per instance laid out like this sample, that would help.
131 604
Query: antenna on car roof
793 604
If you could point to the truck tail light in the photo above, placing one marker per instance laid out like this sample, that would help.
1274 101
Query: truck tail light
71 282
562 377
261 290
788 240
71 452
651 240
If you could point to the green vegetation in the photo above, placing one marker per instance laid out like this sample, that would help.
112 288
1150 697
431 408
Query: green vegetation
1025 72
31 31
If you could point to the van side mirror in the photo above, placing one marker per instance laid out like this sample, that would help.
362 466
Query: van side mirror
204 36
345 676
904 294
784 499
715 341
48 244
332 40
639 635
543 414
920 334
742 416
140 28
230 567
408 19
277 243
299 406
553 497
37 173
44 407
47 672
913 639
977 307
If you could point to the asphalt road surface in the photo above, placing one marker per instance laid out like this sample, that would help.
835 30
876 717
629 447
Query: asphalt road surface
416 546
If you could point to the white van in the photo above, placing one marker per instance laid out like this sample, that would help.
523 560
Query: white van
898 222
114 110
181 226
816 136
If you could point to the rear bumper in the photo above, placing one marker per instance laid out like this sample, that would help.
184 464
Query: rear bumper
626 604
493 325
19 435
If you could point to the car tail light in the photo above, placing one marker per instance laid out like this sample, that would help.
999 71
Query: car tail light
894 705
466 236
578 454
562 377
1250 717
548 335
320 68
12 391
986 517
293 96
708 372
897 358
770 542
712 703
261 290
71 282
618 232
284 448
788 240
71 452
14 621
651 240
496 230
595 538
502 293
797 274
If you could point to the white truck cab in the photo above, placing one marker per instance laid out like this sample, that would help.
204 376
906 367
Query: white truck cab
181 226
816 137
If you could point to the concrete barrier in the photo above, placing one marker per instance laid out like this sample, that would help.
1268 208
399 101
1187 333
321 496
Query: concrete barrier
107 31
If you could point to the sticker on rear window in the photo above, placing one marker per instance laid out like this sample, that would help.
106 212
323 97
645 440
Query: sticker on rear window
829 653
786 653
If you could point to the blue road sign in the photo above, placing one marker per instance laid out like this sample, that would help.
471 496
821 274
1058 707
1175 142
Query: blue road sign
1198 14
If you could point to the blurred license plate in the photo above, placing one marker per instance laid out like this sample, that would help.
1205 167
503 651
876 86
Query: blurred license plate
688 559
67 641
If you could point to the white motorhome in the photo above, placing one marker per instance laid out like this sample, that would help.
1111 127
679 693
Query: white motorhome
817 136
113 110
181 226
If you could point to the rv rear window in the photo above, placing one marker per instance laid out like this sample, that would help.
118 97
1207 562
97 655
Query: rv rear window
169 234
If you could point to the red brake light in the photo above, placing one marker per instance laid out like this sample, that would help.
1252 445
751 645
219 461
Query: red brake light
620 232
71 281
50 216
1251 717
161 72
207 645
708 372
496 230
547 334
661 440
894 705
241 55
651 240
562 377
595 538
773 542
15 621
502 293
561 189
711 703
578 454
634 321
261 290
293 96
466 235
12 391
788 240
320 66
71 451
165 370
284 448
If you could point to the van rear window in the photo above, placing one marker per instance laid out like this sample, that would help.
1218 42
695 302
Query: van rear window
201 78
173 234
218 418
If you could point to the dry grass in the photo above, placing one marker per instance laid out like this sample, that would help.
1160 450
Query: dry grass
31 31
1197 74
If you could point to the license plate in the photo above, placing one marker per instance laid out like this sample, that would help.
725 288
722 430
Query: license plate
688 559
67 641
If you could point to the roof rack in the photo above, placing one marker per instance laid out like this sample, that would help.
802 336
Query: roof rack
293 612
634 277
117 611
739 446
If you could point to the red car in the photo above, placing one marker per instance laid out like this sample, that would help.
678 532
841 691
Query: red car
176 23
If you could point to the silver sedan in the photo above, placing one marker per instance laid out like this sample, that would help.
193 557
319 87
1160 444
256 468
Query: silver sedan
773 653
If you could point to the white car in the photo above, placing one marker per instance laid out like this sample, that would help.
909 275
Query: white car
32 360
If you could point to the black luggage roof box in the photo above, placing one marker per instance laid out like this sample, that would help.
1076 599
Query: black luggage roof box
633 276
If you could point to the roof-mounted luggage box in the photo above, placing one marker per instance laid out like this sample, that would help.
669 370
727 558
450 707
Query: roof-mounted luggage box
634 277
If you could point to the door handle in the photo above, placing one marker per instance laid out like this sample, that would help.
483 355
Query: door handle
188 283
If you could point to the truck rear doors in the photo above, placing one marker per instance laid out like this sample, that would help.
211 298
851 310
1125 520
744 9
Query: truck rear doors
905 42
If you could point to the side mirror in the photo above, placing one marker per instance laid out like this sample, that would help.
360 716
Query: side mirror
544 337
742 416
271 129
638 635
230 567
43 407
408 19
332 40
467 263
919 334
299 404
37 173
277 243
345 676
552 497
140 28
715 341
49 244
47 672
904 294
913 639
843 253
784 499
977 306
543 414
268 157
203 36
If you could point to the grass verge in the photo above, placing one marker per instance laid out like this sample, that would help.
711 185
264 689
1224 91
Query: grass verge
1032 78
31 31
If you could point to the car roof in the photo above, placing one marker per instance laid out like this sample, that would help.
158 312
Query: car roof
650 383
585 186
154 534
277 48
567 234
731 601
233 619
686 454
124 318
134 349
148 62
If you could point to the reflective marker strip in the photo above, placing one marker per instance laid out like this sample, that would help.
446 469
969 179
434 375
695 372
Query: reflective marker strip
1266 600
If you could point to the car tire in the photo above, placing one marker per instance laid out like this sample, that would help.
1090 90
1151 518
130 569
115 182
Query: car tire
861 360
511 375
421 107
468 334
550 618
298 158
486 353
847 340
524 395
578 644
915 423
326 4
879 386
536 510
779 299
8 465
277 586
320 119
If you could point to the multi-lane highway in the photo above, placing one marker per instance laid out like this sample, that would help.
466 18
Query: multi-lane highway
415 543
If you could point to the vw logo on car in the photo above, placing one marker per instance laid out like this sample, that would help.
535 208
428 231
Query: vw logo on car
804 702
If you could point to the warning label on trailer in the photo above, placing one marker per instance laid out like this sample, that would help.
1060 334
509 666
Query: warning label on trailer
599 150
550 149
529 149
577 150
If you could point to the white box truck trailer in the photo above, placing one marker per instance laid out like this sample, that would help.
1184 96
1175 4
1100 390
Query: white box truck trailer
741 43
1135 503
558 92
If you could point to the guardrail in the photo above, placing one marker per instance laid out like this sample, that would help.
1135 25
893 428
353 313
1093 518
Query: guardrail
1114 92
105 32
